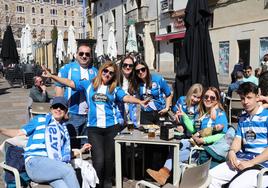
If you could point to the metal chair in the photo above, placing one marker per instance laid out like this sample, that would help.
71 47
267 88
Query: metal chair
234 104
193 177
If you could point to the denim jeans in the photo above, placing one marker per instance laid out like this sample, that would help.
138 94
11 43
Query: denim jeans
58 174
102 141
77 127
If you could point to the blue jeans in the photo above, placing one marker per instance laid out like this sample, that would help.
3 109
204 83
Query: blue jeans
77 126
58 174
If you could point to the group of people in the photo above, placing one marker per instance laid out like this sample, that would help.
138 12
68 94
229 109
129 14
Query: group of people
98 99
105 94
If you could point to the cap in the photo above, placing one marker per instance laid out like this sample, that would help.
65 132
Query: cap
60 100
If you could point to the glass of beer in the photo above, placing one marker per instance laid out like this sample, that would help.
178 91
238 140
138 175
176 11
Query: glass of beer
151 133
130 126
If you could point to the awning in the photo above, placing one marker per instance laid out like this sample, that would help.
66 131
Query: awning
170 36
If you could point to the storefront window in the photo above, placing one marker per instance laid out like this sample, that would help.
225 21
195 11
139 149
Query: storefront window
224 57
263 48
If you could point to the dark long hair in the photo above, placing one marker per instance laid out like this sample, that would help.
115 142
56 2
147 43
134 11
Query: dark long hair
131 77
138 81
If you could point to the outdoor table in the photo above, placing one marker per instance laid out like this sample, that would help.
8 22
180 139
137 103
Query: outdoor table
138 137
39 108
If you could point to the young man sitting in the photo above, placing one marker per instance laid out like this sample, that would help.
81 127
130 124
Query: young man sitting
249 150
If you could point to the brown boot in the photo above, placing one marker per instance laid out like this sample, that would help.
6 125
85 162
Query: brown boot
160 176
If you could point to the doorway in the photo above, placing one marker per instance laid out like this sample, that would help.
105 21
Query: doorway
244 51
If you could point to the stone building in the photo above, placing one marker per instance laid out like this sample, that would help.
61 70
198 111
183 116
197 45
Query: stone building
42 15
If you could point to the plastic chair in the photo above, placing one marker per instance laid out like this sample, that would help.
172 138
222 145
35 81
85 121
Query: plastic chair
192 177
260 177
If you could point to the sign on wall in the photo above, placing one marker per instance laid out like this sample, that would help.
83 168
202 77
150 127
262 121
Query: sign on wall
263 48
224 48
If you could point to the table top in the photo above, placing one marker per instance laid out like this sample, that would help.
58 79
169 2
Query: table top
40 108
137 136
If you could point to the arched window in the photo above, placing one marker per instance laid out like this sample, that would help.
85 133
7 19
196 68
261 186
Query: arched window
33 10
33 21
72 13
43 33
65 22
6 7
41 10
73 23
34 34
65 35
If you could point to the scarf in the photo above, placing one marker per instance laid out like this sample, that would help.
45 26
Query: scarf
57 141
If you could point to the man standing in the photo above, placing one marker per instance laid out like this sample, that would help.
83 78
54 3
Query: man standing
248 77
38 92
79 69
249 150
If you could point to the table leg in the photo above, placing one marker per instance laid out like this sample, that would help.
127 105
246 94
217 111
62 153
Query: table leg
118 168
176 166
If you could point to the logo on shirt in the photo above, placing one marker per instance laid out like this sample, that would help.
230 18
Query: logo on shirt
154 85
91 71
100 97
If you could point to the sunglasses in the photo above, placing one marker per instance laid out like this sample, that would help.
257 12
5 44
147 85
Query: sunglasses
212 98
81 54
106 71
141 70
56 106
125 65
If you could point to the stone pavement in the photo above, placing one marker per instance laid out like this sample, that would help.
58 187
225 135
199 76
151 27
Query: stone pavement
13 114
13 109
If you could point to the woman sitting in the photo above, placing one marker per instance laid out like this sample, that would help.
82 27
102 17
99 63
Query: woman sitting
214 119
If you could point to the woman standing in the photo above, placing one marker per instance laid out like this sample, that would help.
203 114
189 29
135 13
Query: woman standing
102 95
152 87
214 117
126 78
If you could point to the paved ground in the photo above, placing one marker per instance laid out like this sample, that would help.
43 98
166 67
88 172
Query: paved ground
13 113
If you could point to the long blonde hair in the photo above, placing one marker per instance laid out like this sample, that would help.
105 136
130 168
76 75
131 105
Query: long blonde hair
195 89
97 81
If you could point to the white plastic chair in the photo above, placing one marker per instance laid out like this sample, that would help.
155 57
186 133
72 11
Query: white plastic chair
192 177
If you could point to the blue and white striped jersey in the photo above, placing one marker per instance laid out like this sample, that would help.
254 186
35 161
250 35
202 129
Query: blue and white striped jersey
191 112
76 99
221 118
102 104
253 130
159 89
35 130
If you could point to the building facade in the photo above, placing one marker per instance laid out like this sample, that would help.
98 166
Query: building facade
239 32
42 16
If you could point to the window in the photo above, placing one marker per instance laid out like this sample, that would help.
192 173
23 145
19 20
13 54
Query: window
73 23
20 8
41 10
6 7
33 21
21 20
34 33
265 4
7 19
42 21
72 13
65 12
67 2
46 1
224 57
43 33
53 12
65 22
33 10
60 1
